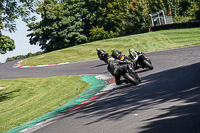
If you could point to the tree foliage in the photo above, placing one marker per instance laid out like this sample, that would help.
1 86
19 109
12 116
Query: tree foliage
10 10
181 10
13 9
61 25
111 18
123 17
6 44
67 23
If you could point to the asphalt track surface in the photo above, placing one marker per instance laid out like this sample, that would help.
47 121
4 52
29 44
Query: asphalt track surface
167 100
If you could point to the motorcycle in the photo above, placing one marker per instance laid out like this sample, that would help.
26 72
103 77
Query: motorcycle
127 72
102 55
139 59
125 69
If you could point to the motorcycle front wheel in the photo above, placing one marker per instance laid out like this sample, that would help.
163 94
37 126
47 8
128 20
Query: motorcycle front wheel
148 64
131 78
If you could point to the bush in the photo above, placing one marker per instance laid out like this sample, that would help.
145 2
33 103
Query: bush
24 56
192 13
98 33
182 19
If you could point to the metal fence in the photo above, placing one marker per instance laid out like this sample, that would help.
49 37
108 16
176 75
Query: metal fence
159 18
169 20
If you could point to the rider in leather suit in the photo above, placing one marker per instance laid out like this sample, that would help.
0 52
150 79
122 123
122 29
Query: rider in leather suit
132 53
114 65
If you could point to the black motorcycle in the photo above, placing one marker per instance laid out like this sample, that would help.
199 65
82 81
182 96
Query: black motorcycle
140 61
125 69
127 72
102 55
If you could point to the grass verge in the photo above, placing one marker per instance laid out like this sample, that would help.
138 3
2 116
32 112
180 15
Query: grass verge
22 100
152 41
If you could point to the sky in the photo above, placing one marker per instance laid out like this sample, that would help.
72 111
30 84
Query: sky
22 45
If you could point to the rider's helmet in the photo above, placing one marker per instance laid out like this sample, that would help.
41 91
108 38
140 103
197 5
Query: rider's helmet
112 50
132 53
131 50
98 49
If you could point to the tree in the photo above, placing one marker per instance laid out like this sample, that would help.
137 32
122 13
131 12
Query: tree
6 44
62 25
10 10
67 23
13 9
197 13
111 19
119 17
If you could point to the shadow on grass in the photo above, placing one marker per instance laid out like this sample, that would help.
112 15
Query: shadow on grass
177 88
7 95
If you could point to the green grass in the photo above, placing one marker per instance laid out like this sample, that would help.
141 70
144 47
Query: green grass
22 100
152 41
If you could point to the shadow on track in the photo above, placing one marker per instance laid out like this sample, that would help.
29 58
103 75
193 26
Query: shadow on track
175 93
141 71
99 65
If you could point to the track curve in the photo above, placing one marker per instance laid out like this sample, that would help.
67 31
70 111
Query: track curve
162 60
168 100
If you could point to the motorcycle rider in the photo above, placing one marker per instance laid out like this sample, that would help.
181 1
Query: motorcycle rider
133 55
114 65
116 54
102 55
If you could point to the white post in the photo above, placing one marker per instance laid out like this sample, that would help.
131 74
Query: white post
164 16
152 20
159 19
